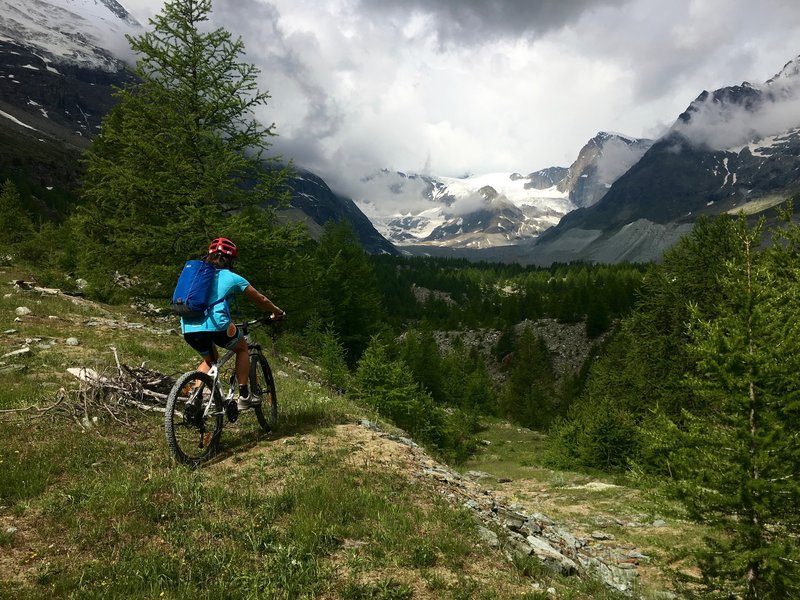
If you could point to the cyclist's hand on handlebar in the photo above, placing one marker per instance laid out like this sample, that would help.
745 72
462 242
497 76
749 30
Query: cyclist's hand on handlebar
278 315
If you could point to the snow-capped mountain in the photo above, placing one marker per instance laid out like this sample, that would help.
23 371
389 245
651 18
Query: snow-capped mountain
83 33
495 209
734 149
471 212
603 160
59 61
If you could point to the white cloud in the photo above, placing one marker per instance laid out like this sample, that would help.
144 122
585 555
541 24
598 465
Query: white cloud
457 86
725 126
616 159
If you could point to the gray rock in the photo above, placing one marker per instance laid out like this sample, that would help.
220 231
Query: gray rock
600 536
16 353
73 341
10 331
531 527
489 536
511 519
542 519
22 311
659 523
568 543
550 557
517 545
612 576
472 505
11 530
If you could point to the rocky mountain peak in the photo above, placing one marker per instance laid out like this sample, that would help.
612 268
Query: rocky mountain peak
789 73
546 178
601 161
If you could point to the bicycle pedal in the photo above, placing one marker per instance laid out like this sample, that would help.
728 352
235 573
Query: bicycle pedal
231 411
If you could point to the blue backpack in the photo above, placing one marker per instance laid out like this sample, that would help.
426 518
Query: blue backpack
190 298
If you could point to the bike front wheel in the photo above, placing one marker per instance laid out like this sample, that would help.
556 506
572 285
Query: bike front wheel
262 386
193 419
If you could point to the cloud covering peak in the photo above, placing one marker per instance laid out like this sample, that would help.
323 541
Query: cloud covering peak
737 116
455 86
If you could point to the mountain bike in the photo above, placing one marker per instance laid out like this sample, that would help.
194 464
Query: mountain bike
197 405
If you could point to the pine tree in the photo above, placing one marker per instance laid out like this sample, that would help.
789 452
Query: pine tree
528 396
421 353
466 382
15 222
179 153
739 458
640 375
347 291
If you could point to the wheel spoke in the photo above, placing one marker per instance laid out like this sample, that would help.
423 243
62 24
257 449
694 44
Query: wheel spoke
192 435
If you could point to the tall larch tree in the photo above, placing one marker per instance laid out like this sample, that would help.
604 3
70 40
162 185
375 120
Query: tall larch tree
346 289
738 460
179 155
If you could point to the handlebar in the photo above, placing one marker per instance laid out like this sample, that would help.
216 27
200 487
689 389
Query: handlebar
245 326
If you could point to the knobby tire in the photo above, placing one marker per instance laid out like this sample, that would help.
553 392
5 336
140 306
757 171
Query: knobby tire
263 386
191 438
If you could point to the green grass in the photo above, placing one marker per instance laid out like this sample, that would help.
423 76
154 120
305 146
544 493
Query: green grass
516 460
105 513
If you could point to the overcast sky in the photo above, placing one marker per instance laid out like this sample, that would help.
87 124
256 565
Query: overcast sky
450 87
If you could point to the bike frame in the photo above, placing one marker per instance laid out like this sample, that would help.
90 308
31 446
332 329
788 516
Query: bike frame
216 366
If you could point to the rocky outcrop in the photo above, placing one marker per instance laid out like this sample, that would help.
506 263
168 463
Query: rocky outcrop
518 533
600 163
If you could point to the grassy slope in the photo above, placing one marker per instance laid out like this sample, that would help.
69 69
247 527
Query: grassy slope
640 518
106 513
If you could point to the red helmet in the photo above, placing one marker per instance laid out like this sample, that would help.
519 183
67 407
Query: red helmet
223 245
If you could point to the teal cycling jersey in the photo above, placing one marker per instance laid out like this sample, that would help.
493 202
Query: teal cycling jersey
226 285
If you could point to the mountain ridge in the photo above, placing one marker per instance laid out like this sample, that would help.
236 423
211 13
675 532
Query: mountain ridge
57 75
456 212
718 156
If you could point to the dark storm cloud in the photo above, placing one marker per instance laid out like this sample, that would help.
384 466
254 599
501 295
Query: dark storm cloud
286 68
470 21
454 86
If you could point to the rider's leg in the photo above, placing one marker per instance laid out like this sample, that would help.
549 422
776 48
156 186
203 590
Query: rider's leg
208 360
242 362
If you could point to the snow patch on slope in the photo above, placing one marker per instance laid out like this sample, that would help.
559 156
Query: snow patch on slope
407 209
86 33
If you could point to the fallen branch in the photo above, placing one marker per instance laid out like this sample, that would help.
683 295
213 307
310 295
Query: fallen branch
136 388
41 411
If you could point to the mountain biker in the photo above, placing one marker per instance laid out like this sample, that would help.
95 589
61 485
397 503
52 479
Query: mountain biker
216 327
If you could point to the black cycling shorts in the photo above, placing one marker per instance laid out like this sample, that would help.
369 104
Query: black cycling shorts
203 341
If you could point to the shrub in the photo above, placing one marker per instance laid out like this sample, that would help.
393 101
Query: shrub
389 387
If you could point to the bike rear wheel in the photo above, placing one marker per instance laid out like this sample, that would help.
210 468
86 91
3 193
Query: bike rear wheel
262 386
192 427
